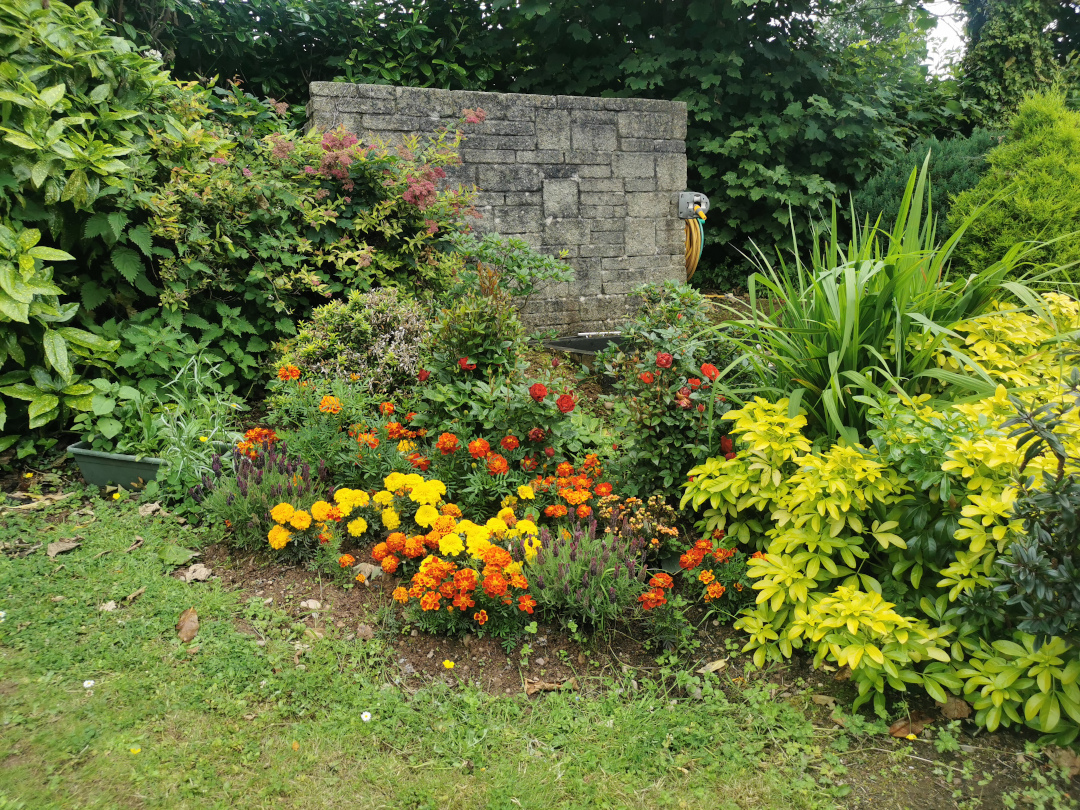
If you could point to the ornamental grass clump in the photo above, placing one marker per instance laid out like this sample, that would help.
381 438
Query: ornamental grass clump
582 576
859 320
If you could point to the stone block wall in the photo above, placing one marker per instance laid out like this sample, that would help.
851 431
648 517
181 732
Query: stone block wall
596 177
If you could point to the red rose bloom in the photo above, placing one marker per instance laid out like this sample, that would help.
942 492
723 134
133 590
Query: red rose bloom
510 442
701 408
549 452
726 444
664 360
423 375
565 403
710 371
538 391
465 364
646 377
695 383
684 391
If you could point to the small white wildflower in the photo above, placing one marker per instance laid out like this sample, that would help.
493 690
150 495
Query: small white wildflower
366 717
3 615
88 684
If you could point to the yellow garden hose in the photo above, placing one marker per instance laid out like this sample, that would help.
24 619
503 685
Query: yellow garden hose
695 242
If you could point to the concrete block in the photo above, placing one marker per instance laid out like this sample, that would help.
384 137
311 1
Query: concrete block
591 170
553 129
639 124
671 172
564 232
561 171
640 237
650 204
540 156
669 146
502 156
593 137
640 184
508 220
509 178
339 90
524 198
609 185
391 123
593 116
560 198
633 165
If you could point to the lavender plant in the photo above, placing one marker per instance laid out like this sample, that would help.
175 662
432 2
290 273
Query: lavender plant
244 486
580 575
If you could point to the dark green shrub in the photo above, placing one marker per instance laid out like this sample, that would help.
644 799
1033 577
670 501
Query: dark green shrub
956 165
1041 572
373 338
1031 191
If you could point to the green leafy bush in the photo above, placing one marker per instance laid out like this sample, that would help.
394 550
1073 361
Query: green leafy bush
1029 192
956 165
374 338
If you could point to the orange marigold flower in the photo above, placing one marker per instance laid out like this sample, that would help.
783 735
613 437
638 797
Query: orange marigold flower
479 448
330 404
463 601
324 538
565 469
555 510
497 465
714 591
497 556
480 617
448 590
401 595
652 599
390 563
526 603
465 579
662 580
430 600
451 510
386 408
584 511
379 552
346 560
518 581
722 555
510 442
395 431
395 542
603 489
707 577
288 372
688 561
495 585
419 462
528 464
447 443
757 555
370 439
414 546
703 545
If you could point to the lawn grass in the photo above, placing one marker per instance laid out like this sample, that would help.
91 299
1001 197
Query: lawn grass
275 718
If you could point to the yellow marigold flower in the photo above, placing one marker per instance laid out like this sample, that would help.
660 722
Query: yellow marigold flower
405 447
477 546
394 481
391 519
496 526
282 512
526 493
413 480
507 516
450 545
526 526
426 515
512 568
532 546
401 595
428 492
383 498
320 510
278 537
300 520
357 527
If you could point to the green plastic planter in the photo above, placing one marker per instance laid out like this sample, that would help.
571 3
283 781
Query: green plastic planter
102 469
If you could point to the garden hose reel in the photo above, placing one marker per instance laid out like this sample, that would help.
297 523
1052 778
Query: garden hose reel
693 205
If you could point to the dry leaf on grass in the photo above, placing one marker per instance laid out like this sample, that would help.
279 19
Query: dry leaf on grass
188 625
714 666
912 724
365 632
828 701
955 708
38 501
138 542
844 674
131 597
368 571
147 509
196 573
60 546
532 687
108 607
